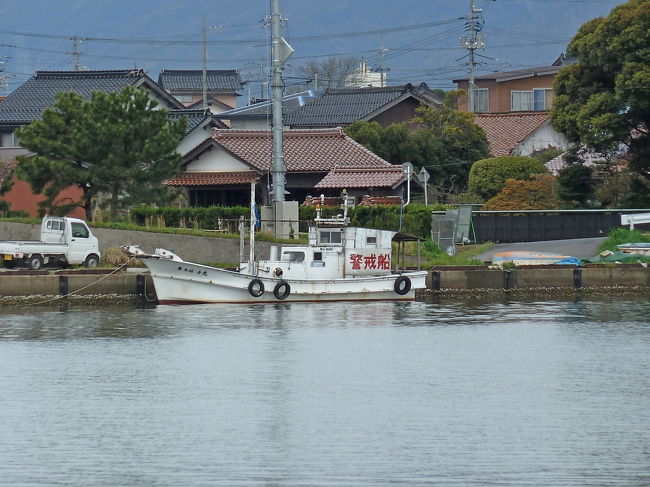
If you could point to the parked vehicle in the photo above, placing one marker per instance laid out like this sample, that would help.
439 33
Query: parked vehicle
64 241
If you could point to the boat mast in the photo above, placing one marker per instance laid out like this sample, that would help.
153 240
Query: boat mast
251 255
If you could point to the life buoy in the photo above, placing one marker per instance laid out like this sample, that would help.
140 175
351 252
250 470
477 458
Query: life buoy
279 286
256 288
402 285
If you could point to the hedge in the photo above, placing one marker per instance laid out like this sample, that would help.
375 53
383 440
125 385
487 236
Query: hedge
416 218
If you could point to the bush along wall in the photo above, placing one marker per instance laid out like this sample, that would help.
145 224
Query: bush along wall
415 218
197 218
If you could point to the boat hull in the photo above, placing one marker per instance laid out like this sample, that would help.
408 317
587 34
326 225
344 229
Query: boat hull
187 283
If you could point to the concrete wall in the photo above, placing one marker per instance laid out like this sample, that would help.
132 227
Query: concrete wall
206 250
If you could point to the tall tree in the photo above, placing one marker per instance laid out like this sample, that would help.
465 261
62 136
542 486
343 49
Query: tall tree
460 141
115 144
442 140
603 100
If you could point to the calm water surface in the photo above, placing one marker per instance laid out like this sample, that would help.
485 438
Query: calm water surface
462 394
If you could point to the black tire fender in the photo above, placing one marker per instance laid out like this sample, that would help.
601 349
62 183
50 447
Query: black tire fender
402 285
278 287
256 288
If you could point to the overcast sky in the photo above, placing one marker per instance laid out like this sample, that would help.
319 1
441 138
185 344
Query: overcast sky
414 40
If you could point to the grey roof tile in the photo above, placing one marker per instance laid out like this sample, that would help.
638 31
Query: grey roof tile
194 117
192 80
29 100
343 106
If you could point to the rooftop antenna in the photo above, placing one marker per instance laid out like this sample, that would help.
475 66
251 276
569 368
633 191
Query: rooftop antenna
204 56
76 53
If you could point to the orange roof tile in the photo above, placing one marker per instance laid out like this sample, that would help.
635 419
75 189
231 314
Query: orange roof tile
385 177
213 178
304 150
505 130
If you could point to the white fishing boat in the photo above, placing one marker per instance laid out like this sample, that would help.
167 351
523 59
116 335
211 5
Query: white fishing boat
340 263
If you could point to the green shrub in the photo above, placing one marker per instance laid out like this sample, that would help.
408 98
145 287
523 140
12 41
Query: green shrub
488 176
621 236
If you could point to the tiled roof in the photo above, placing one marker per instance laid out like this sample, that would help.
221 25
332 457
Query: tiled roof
517 74
505 130
213 178
368 200
587 158
263 108
194 117
192 80
307 150
344 106
29 100
388 177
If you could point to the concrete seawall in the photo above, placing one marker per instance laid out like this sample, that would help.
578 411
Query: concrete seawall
539 280
91 287
135 285
105 286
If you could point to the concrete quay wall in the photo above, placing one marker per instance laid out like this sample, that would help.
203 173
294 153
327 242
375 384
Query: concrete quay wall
102 287
443 279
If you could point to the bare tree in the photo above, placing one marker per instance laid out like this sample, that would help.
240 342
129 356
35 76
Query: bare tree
328 73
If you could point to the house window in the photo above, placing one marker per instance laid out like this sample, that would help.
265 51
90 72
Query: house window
184 98
480 100
327 237
371 240
521 101
539 99
543 99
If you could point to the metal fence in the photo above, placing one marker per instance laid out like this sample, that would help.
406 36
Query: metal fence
534 225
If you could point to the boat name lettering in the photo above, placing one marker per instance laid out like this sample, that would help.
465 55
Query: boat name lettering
191 271
372 261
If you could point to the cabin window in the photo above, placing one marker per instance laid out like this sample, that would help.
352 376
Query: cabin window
330 237
293 256
371 240
318 256
79 230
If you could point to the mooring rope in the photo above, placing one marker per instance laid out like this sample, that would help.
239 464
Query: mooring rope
60 296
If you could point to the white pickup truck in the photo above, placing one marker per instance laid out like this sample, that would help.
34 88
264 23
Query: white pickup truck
64 241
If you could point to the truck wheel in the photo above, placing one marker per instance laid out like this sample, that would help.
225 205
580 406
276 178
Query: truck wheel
35 262
92 261
9 264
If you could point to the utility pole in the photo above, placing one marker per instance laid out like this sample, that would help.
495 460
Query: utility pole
204 77
280 52
473 41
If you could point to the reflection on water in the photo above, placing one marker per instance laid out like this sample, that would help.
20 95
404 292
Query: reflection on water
351 394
